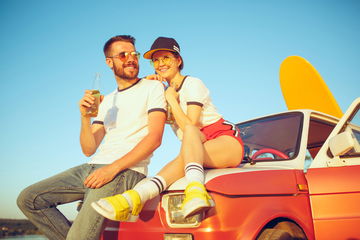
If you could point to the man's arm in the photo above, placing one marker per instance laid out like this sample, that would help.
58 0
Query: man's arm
140 152
90 135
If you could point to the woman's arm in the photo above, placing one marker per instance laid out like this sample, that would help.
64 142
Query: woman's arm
193 111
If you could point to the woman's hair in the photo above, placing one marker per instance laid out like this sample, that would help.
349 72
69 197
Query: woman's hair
118 38
177 55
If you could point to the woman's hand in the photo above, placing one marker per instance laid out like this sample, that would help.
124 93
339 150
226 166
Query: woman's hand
100 177
171 94
156 77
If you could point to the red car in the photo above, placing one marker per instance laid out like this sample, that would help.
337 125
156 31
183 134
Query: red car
300 179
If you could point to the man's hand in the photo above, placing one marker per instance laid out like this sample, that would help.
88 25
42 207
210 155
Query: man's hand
87 101
100 177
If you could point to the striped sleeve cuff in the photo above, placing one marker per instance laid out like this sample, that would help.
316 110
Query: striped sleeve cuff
195 103
157 110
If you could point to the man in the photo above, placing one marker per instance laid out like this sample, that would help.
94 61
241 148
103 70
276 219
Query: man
121 139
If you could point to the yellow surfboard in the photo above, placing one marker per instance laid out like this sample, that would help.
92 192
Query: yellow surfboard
303 87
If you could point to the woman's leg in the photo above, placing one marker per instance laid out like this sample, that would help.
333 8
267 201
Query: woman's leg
173 170
224 151
194 153
221 152
155 185
119 206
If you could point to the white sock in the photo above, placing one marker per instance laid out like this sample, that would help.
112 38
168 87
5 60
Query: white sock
128 199
194 172
151 188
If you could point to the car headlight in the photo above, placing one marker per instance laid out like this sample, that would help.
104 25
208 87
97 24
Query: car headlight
171 203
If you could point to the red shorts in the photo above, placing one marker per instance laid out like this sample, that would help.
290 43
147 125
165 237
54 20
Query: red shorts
219 128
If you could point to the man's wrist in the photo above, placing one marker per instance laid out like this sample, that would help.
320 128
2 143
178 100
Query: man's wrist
115 167
85 118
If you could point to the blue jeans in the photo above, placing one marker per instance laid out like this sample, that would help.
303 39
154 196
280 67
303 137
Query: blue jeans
38 202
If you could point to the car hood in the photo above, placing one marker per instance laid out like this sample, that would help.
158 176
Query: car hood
238 181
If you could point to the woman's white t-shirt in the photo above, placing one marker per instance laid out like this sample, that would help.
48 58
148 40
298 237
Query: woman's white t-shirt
193 91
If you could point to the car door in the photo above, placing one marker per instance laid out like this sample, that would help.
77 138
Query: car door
334 181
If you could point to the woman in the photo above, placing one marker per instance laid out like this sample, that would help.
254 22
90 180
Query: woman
204 134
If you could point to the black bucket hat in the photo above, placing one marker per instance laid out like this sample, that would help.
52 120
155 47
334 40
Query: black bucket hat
163 43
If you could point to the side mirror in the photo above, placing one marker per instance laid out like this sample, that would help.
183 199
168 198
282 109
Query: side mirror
343 143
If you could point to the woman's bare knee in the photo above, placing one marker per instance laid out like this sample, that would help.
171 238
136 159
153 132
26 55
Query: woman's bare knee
190 129
192 132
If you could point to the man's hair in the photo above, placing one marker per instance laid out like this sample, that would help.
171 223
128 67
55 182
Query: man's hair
118 38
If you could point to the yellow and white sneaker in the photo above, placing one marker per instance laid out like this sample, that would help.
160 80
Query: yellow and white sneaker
196 199
117 207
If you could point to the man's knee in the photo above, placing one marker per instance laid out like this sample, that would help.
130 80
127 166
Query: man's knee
31 199
24 199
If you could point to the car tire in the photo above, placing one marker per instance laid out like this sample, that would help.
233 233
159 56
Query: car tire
295 231
274 234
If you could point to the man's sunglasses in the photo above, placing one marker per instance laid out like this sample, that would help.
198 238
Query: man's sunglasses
123 56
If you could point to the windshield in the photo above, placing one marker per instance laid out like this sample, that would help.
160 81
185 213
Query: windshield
274 137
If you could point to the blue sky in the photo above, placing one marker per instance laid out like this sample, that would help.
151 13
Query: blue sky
51 50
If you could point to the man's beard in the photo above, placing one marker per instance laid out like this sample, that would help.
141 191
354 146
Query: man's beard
120 72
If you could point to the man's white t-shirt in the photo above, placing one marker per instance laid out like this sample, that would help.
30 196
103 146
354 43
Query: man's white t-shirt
124 114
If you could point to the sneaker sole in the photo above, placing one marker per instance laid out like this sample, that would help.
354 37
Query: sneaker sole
109 215
102 212
196 206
